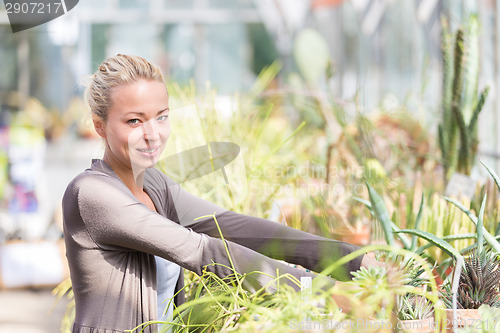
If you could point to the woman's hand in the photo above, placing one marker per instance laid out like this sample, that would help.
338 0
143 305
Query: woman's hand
343 302
370 261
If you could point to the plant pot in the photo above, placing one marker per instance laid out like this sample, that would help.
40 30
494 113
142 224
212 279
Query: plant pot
359 236
426 325
465 318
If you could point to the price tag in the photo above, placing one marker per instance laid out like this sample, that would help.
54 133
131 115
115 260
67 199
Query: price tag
460 186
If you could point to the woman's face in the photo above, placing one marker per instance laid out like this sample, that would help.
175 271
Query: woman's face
137 126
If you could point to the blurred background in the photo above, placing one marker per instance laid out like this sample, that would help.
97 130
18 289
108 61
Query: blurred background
317 66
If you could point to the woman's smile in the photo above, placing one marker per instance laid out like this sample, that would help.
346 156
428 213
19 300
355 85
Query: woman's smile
151 153
148 150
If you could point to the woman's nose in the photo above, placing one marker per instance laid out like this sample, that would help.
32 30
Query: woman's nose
150 130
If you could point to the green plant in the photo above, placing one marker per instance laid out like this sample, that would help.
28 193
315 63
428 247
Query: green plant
216 304
482 233
411 306
435 240
375 287
458 134
379 210
479 282
326 214
312 56
334 215
65 289
266 165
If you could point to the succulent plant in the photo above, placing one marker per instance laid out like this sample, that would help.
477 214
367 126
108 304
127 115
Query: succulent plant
479 282
411 307
458 132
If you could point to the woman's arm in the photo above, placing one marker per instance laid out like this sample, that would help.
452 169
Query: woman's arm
115 220
267 237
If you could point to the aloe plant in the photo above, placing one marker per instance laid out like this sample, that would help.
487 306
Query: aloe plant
379 210
410 306
482 233
461 106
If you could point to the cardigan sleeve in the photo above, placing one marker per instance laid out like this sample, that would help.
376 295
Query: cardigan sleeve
267 237
116 220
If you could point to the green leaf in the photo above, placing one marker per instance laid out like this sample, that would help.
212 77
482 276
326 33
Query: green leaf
417 223
479 107
479 226
364 202
464 152
489 238
402 237
470 66
449 238
265 77
463 209
442 141
434 240
493 174
469 235
381 213
278 147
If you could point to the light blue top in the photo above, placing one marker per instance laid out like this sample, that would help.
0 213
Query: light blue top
167 274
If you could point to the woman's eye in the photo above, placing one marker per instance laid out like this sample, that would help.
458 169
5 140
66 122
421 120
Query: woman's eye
162 117
133 121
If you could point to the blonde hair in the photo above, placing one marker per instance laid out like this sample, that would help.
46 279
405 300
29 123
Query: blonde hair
116 71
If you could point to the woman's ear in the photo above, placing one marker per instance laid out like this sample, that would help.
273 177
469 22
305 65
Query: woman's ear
99 127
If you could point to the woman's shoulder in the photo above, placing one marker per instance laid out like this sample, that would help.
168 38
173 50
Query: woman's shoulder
94 179
89 176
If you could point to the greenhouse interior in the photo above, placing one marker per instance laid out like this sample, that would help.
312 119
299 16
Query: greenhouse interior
348 152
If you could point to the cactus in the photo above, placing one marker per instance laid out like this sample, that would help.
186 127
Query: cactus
312 55
458 134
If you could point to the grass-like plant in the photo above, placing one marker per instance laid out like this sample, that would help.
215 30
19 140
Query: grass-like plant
270 152
216 304
64 289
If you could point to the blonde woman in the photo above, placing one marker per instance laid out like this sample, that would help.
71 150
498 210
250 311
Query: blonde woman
124 221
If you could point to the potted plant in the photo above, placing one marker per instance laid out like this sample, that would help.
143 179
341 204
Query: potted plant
478 284
477 281
415 312
378 290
